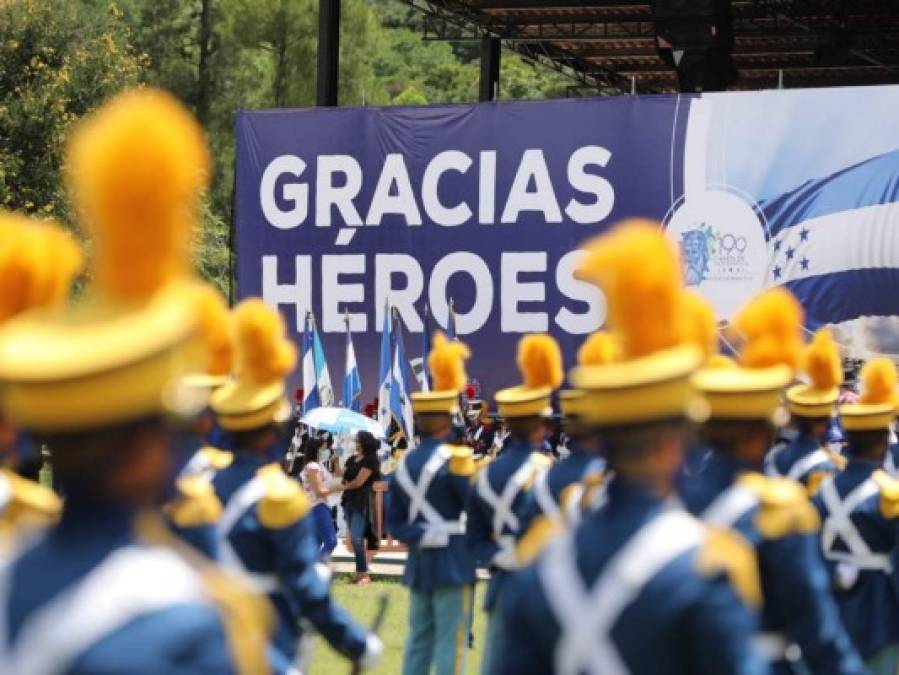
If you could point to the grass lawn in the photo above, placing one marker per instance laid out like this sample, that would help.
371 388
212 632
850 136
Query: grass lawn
361 601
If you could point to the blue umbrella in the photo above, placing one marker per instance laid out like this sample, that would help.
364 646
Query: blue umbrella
341 420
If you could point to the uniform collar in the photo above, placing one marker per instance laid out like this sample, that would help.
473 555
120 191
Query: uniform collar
516 445
87 516
722 470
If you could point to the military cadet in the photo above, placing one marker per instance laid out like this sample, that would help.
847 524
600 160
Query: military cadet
264 531
37 265
500 495
805 458
860 511
773 515
558 494
107 590
640 586
426 511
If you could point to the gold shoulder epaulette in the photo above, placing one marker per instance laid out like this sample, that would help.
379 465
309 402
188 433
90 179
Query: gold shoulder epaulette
889 493
30 503
461 462
218 459
813 481
728 552
784 506
196 503
541 460
541 532
284 502
838 460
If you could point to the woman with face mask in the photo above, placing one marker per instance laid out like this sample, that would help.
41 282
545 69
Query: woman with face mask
315 478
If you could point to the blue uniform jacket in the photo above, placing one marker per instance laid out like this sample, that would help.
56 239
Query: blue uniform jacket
797 600
431 568
289 552
176 637
870 608
785 460
569 471
682 622
481 538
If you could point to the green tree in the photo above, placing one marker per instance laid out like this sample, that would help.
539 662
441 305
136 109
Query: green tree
58 60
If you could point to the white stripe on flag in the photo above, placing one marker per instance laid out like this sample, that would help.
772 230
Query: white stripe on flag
865 238
309 383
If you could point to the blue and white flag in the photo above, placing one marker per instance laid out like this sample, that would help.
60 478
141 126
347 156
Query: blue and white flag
385 372
311 399
322 375
424 374
400 401
352 383
834 241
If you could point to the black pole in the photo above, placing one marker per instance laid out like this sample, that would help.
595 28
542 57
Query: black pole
490 51
328 52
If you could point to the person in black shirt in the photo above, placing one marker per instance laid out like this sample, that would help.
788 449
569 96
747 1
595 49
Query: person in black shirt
359 474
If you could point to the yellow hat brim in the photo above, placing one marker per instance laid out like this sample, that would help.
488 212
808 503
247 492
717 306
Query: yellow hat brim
571 402
244 405
652 388
867 416
803 400
96 365
524 402
744 393
424 402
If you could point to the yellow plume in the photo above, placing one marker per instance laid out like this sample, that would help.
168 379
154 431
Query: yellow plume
264 353
770 325
638 269
700 325
447 363
38 262
821 361
599 348
216 331
878 381
136 169
540 361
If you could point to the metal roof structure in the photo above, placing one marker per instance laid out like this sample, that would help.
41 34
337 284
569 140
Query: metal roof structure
609 46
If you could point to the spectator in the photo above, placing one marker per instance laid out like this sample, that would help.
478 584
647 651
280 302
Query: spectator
315 478
359 474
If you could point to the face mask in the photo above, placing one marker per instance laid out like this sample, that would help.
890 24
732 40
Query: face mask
324 455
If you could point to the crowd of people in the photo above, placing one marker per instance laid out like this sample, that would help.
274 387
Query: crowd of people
682 511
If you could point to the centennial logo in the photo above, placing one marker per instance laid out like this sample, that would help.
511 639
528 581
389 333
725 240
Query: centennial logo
723 247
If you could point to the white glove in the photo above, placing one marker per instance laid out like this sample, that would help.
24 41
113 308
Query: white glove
846 576
506 559
434 537
374 651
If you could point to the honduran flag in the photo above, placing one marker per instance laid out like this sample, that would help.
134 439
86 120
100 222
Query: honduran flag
352 382
834 242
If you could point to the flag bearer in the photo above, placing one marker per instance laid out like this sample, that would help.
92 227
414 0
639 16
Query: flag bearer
640 586
500 493
264 532
426 511
107 590
860 511
806 459
799 619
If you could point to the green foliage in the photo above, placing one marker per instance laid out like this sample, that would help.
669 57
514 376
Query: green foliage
58 60
61 58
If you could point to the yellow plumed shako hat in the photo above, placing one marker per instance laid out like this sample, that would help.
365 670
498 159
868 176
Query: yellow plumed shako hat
136 169
877 407
638 269
770 326
599 348
446 363
540 363
821 363
216 339
256 398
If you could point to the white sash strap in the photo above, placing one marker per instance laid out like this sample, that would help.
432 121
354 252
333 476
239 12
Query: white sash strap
771 461
771 646
728 507
130 583
240 502
839 524
417 493
808 463
503 515
586 617
544 497
889 464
